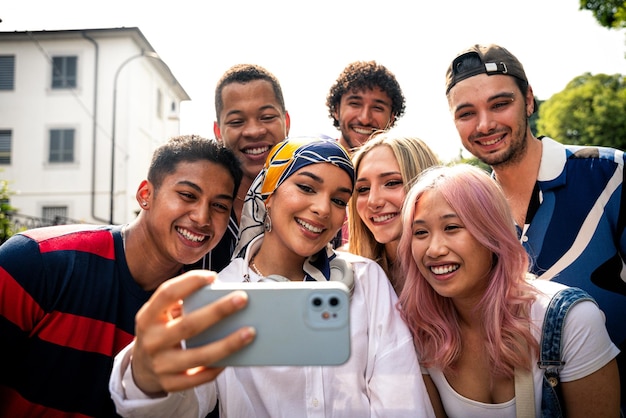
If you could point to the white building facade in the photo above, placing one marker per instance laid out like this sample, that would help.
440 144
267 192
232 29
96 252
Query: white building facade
81 112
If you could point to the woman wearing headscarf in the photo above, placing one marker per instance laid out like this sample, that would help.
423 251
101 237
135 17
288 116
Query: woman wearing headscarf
293 209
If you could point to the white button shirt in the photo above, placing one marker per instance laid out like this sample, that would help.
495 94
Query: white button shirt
382 378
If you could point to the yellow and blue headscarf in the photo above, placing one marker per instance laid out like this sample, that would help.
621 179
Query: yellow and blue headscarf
285 159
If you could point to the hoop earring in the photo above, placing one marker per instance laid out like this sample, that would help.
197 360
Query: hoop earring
267 225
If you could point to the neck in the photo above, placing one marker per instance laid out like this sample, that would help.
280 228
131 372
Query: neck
271 260
146 265
518 180
342 141
241 195
524 171
391 251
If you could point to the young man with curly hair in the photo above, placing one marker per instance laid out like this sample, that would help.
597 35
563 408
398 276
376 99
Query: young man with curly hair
365 99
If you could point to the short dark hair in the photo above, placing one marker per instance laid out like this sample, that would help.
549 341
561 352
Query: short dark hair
244 73
192 148
366 75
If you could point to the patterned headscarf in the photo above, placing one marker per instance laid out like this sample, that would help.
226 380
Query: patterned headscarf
284 159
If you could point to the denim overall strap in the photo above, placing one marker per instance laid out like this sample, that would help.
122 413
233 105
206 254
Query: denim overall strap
551 341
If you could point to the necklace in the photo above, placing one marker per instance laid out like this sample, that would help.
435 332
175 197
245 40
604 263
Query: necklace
255 268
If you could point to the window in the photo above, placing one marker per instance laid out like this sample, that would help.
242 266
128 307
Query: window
61 146
64 72
56 214
7 72
5 146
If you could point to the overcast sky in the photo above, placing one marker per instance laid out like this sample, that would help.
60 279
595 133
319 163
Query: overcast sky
307 44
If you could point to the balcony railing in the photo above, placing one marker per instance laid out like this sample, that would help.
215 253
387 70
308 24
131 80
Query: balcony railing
20 222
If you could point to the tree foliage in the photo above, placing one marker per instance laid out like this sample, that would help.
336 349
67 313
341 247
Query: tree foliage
6 227
609 13
589 111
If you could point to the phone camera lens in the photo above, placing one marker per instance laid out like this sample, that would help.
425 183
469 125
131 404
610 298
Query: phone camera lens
317 301
334 301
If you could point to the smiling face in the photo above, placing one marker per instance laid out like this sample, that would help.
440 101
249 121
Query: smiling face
360 113
308 209
453 262
188 214
491 116
380 193
251 123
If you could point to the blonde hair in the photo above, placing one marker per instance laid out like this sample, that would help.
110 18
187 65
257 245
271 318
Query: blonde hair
413 156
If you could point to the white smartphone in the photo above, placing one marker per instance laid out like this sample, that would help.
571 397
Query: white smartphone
297 323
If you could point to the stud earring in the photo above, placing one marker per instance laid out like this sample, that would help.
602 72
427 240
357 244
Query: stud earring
144 204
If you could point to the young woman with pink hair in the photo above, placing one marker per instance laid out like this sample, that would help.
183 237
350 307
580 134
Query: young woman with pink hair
476 315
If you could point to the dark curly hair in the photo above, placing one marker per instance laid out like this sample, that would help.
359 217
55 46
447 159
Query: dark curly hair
244 73
366 75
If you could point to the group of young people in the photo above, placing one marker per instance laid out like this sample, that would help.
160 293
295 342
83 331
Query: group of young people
443 309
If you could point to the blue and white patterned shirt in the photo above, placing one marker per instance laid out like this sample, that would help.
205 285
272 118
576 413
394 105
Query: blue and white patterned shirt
577 234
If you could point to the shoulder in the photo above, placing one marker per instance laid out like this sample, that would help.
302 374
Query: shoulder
369 277
557 159
546 289
586 312
552 148
59 231
233 272
362 266
88 238
354 259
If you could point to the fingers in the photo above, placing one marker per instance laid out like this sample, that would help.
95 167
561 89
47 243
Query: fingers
194 361
192 323
158 361
165 302
174 290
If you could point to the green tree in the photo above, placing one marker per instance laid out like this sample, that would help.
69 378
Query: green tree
609 13
589 111
535 116
6 227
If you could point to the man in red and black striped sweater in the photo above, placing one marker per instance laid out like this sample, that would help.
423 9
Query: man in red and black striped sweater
69 294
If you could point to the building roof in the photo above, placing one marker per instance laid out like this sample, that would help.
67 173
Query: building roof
133 33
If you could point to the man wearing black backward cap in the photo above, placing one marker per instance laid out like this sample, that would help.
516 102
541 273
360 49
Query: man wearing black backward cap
567 201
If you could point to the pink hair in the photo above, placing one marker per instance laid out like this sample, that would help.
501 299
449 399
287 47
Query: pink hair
505 307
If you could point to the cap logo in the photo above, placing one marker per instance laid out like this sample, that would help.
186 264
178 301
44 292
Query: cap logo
492 67
491 60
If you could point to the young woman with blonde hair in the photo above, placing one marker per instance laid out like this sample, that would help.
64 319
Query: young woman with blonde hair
385 167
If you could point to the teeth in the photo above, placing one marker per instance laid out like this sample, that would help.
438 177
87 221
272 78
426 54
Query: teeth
492 141
310 227
191 237
363 131
383 218
444 269
256 151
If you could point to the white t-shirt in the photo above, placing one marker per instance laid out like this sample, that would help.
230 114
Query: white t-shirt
586 348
